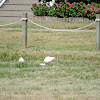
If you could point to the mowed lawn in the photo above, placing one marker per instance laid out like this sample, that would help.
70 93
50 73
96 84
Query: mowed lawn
74 76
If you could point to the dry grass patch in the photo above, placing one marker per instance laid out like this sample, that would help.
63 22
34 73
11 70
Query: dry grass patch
52 83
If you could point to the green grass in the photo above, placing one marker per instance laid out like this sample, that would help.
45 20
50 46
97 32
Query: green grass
74 76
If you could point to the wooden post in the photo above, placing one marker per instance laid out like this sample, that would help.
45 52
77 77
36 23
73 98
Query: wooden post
97 32
24 30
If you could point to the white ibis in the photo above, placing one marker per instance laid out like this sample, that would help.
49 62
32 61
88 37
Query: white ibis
47 60
21 59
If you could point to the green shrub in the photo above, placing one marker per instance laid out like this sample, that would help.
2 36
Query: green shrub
65 10
85 1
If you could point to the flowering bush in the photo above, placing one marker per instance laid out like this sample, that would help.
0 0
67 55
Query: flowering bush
65 10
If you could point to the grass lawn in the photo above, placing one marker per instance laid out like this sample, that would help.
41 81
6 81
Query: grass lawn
74 76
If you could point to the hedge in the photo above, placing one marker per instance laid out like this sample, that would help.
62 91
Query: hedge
65 10
85 1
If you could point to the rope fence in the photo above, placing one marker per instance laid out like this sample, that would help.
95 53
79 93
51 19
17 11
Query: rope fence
47 27
24 28
60 29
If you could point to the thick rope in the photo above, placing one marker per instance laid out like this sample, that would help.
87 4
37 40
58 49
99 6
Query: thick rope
47 27
85 26
40 25
11 23
60 29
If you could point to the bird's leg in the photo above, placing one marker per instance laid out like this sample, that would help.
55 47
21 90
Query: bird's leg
48 63
52 63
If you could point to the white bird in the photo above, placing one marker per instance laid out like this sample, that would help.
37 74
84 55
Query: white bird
52 3
47 60
21 59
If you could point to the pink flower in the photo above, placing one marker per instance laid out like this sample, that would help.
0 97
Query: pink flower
90 14
58 6
67 8
97 10
92 7
85 11
50 11
71 9
79 12
92 10
66 2
83 5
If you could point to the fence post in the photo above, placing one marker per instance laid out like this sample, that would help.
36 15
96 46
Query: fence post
24 30
97 32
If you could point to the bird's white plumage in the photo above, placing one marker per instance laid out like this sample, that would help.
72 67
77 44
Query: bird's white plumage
48 59
21 59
